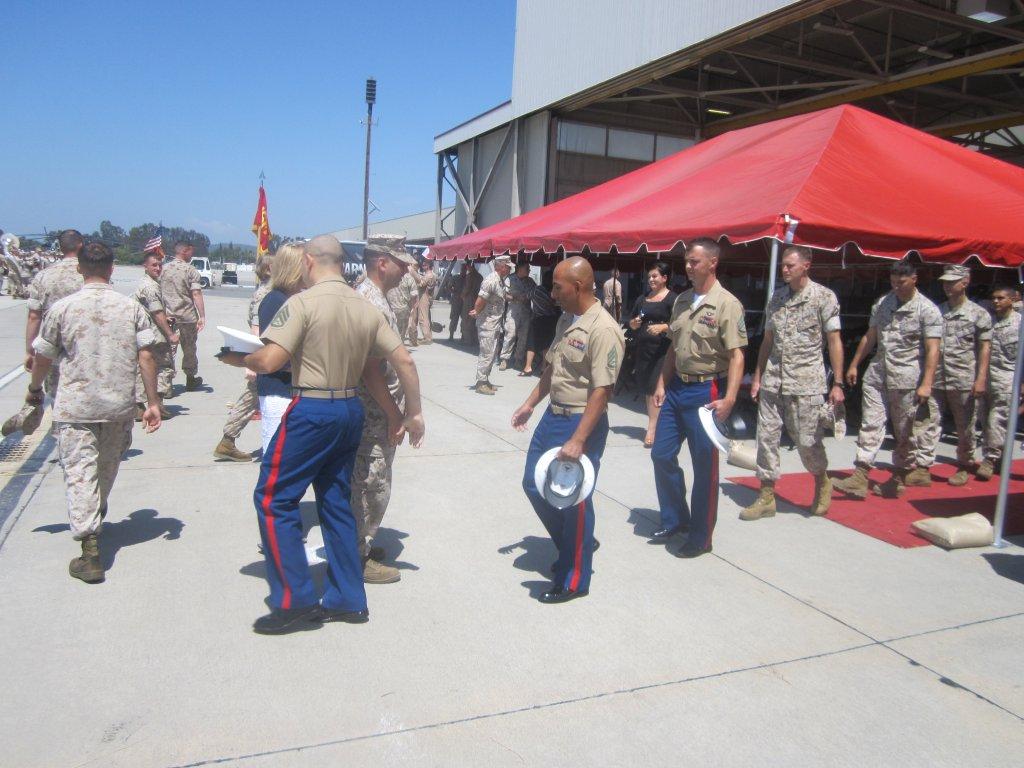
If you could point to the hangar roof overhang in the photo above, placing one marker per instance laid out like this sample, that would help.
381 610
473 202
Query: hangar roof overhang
920 62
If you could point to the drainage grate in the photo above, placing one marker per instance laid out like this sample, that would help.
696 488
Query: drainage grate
11 450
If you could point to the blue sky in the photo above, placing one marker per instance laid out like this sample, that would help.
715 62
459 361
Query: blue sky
142 111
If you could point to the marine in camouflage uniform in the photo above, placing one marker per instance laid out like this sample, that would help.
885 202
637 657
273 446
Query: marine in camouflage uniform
792 386
177 282
147 293
962 369
1005 338
419 318
402 299
247 403
513 349
46 289
98 336
897 386
491 319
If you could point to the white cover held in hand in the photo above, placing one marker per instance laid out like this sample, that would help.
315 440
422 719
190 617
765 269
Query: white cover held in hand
239 341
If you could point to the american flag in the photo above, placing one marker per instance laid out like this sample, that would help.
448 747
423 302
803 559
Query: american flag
155 242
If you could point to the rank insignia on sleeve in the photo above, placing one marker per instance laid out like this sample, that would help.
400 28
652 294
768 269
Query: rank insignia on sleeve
280 318
613 359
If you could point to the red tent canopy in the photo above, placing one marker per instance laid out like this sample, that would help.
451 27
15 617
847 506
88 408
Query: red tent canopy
844 174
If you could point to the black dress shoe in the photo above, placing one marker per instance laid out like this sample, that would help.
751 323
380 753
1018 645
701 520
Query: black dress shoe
561 595
284 620
664 534
349 617
690 551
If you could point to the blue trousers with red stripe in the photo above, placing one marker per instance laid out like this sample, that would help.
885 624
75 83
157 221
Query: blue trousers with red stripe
314 445
678 422
572 529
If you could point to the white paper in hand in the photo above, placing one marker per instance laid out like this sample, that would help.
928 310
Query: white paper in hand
239 341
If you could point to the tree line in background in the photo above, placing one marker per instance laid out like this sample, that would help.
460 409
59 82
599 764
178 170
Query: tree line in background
127 245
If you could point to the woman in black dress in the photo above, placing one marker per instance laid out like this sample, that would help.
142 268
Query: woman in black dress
649 323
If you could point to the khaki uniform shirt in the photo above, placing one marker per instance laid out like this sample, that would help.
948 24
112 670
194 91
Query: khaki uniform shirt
1005 338
705 336
177 282
254 304
902 330
799 322
96 334
963 329
147 293
585 354
612 293
53 284
329 330
494 292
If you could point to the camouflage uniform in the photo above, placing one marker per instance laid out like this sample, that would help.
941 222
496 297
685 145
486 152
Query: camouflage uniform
494 291
247 403
96 334
514 347
963 329
402 298
47 288
892 378
371 477
148 295
419 320
1005 338
177 282
793 382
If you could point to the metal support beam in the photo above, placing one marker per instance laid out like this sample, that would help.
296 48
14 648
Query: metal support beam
457 185
990 123
440 194
949 70
490 171
951 19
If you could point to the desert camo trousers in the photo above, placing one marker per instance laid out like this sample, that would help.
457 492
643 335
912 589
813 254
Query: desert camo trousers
963 406
187 333
902 408
996 418
371 488
90 454
801 416
241 413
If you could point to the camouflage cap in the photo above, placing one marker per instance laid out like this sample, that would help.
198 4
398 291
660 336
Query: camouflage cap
389 245
955 272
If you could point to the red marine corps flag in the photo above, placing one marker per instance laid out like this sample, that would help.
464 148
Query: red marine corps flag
261 224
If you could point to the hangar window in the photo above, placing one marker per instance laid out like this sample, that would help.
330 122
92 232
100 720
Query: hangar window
582 139
669 145
630 145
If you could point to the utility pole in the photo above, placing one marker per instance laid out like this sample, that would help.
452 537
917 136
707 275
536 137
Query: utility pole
371 98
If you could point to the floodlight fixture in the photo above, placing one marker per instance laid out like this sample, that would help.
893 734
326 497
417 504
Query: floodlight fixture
987 11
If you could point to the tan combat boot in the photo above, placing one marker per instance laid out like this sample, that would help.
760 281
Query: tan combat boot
764 504
856 485
893 487
503 366
192 383
822 495
985 470
375 572
959 477
918 477
88 567
483 388
226 450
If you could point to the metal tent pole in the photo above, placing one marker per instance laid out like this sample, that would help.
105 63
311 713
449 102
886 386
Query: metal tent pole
1011 433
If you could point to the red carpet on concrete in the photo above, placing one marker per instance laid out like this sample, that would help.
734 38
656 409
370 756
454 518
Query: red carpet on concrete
889 519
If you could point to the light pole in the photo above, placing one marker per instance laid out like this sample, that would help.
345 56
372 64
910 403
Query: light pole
371 97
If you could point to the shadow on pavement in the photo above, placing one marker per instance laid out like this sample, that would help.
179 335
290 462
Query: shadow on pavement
644 521
537 588
1008 566
637 433
140 526
390 540
537 555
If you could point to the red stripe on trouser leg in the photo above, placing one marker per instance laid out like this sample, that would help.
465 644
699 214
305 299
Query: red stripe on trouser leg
713 488
577 552
268 498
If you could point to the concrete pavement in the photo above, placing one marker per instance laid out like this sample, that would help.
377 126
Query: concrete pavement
797 642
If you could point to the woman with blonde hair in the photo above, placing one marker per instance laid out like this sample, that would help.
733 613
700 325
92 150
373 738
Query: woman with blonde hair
275 389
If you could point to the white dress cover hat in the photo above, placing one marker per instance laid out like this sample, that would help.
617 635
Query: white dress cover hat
563 483
239 341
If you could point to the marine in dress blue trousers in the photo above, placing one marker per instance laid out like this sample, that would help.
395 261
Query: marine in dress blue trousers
571 529
314 445
679 422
